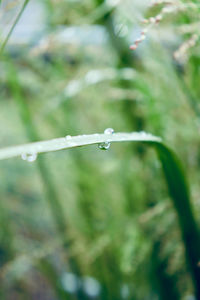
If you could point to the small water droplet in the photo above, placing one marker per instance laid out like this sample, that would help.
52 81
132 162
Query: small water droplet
106 145
109 131
30 157
68 137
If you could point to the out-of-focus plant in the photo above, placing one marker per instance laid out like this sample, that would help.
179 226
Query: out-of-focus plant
122 233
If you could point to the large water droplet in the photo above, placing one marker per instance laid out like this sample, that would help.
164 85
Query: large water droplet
106 145
109 131
30 157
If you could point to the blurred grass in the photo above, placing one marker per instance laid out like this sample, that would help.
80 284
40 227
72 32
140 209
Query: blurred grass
121 227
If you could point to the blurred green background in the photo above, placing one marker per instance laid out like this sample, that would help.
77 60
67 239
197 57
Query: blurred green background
84 223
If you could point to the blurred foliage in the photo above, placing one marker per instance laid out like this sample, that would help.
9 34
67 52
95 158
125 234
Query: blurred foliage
85 223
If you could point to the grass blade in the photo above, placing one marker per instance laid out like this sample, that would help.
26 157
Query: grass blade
13 26
173 172
178 189
75 141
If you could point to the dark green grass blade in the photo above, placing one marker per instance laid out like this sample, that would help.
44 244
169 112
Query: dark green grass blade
178 189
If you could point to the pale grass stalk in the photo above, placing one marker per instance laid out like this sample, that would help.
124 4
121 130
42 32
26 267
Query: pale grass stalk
13 26
73 142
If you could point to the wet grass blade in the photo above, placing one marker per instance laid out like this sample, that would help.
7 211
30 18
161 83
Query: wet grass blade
173 172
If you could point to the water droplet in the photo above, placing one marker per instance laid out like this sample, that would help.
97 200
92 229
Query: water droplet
106 145
68 137
109 131
30 157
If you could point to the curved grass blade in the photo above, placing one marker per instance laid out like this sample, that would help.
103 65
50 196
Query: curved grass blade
73 142
173 172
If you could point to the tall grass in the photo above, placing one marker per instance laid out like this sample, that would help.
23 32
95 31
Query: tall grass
97 236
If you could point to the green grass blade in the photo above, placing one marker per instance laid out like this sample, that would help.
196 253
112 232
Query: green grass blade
73 142
173 172
178 189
